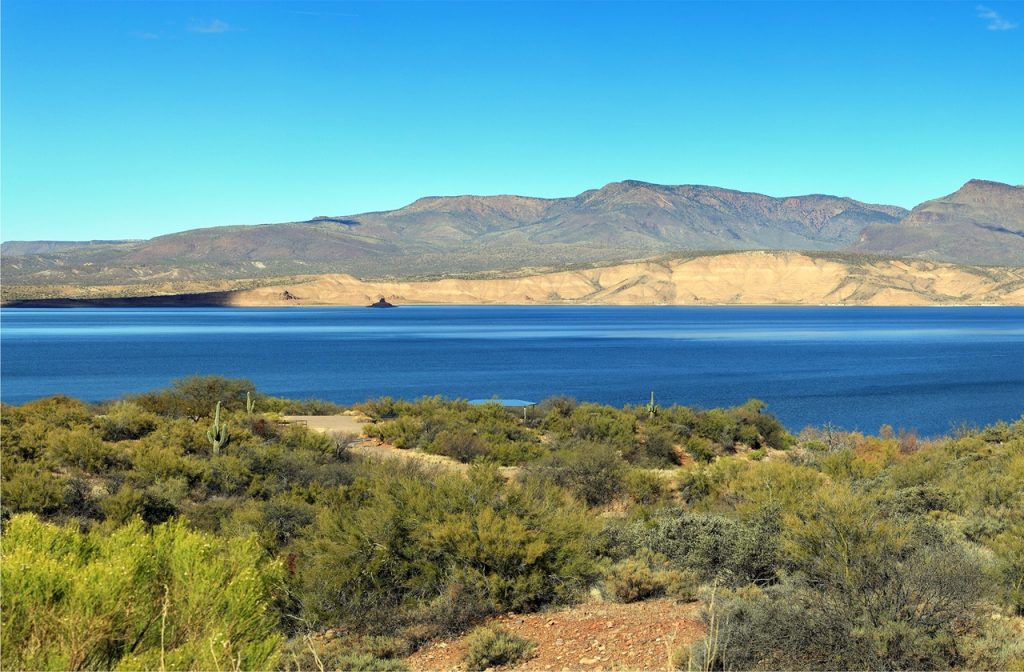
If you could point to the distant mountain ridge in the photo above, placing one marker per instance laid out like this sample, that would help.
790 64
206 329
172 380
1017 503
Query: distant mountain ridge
980 223
629 220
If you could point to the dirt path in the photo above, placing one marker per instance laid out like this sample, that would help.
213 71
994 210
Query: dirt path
332 424
348 425
592 636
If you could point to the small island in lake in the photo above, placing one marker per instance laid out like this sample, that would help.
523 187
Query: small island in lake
381 303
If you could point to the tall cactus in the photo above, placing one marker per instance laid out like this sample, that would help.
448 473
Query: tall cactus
218 433
652 408
250 403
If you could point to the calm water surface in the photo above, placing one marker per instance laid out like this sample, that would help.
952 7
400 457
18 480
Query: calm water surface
923 368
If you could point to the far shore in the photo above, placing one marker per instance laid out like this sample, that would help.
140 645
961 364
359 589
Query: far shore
736 279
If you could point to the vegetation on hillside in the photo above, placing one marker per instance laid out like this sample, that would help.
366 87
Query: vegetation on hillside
134 537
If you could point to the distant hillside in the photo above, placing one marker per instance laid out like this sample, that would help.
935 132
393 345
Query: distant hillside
17 248
465 234
739 278
981 223
751 278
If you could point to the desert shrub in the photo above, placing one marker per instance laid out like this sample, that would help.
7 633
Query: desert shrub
492 646
262 428
862 594
454 427
594 423
736 552
152 505
21 436
403 432
701 449
297 437
876 610
57 411
649 576
462 446
655 448
156 462
645 488
226 475
135 599
275 523
398 538
1009 551
79 500
593 472
126 420
759 429
719 426
915 501
265 404
84 449
998 645
181 435
384 408
559 406
631 581
463 603
309 654
27 488
196 397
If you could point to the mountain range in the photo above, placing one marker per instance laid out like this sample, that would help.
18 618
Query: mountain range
981 224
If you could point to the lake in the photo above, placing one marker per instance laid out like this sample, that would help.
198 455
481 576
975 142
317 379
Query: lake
921 368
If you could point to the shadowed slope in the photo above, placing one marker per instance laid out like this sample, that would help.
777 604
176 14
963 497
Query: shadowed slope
981 223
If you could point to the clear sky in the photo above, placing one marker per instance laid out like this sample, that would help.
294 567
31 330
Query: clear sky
131 119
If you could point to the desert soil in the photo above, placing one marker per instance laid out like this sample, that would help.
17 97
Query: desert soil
592 636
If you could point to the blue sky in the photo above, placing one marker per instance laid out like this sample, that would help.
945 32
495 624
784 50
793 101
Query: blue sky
132 119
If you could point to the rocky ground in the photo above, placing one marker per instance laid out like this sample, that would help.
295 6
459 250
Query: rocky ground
591 636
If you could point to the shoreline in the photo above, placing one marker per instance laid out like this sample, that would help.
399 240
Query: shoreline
733 279
186 301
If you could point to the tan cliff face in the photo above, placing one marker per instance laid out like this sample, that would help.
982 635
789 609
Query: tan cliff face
751 278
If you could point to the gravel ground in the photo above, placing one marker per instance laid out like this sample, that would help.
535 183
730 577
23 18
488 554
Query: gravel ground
592 636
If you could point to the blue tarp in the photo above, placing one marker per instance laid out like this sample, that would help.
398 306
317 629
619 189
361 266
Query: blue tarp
507 403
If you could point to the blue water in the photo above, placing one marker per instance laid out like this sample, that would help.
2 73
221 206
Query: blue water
922 368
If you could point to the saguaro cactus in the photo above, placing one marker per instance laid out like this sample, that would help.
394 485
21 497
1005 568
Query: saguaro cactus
250 403
218 433
652 408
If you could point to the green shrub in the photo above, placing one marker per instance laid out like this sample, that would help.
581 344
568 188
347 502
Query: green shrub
153 505
593 472
403 432
462 446
862 593
646 488
134 599
711 545
632 581
595 423
196 397
308 654
655 448
492 646
126 420
83 449
398 539
27 488
997 646
296 407
701 449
